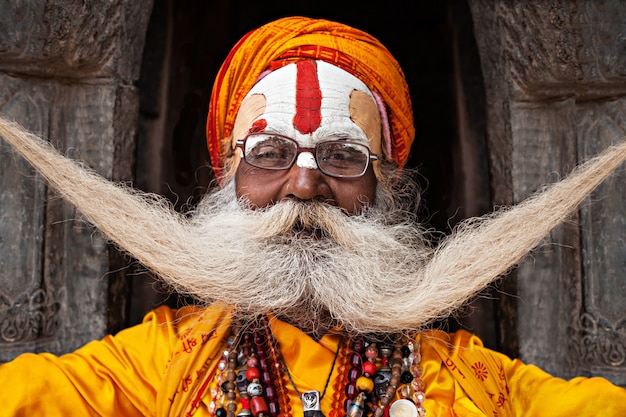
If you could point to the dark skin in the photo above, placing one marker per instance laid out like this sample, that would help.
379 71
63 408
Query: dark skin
264 187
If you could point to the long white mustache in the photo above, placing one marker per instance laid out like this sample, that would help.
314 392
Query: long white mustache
306 261
189 252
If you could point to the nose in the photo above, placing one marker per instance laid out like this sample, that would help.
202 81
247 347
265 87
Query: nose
306 183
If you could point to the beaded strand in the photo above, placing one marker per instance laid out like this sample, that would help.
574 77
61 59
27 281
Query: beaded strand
278 374
417 386
255 372
340 386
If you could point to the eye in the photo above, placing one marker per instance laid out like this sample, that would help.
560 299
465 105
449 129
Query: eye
338 153
269 151
342 159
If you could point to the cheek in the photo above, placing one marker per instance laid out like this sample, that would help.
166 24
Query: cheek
353 195
255 186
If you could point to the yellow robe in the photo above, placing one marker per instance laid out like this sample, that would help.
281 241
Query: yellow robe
164 367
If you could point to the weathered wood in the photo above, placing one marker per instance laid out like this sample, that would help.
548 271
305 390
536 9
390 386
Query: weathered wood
598 335
555 86
66 71
544 145
78 39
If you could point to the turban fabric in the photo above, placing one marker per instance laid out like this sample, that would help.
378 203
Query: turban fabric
294 38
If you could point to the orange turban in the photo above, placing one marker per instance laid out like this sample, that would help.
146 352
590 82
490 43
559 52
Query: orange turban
289 39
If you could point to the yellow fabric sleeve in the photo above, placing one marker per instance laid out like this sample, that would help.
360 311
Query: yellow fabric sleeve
537 393
460 371
116 376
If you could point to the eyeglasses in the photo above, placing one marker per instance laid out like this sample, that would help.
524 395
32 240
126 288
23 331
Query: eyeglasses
335 158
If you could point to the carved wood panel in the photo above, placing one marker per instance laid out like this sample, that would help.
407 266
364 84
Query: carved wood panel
598 337
555 79
29 302
66 72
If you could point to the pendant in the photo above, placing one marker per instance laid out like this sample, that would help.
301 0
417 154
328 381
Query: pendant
311 404
403 408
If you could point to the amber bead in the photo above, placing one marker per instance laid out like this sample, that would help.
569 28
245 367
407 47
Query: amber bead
365 384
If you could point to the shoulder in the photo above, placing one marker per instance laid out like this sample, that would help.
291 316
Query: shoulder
180 320
454 343
164 327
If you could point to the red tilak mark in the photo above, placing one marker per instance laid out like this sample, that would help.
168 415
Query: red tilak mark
308 98
258 126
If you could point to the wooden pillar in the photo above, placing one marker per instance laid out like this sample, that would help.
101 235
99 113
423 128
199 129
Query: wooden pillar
66 70
554 75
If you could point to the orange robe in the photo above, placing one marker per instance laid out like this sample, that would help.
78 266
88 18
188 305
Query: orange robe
164 367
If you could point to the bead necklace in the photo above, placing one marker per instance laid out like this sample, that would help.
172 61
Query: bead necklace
370 377
372 390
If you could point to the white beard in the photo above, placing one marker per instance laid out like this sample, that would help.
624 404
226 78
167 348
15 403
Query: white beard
306 261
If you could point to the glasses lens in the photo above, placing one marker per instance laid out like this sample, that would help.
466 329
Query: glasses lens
270 152
342 159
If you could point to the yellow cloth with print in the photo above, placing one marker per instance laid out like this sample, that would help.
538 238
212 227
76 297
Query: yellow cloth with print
164 367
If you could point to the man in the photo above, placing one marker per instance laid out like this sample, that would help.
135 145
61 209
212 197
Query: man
318 282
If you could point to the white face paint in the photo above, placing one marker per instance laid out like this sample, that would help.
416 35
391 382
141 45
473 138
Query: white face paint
311 102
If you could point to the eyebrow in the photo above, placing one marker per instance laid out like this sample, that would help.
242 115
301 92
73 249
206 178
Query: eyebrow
351 134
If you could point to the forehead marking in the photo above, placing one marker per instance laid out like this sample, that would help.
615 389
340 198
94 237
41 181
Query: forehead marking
308 115
258 126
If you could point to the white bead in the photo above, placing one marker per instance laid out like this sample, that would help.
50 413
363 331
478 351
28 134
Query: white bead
254 389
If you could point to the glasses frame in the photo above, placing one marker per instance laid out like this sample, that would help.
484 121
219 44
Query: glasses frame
241 143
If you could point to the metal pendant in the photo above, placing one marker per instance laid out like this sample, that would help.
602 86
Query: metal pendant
311 404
